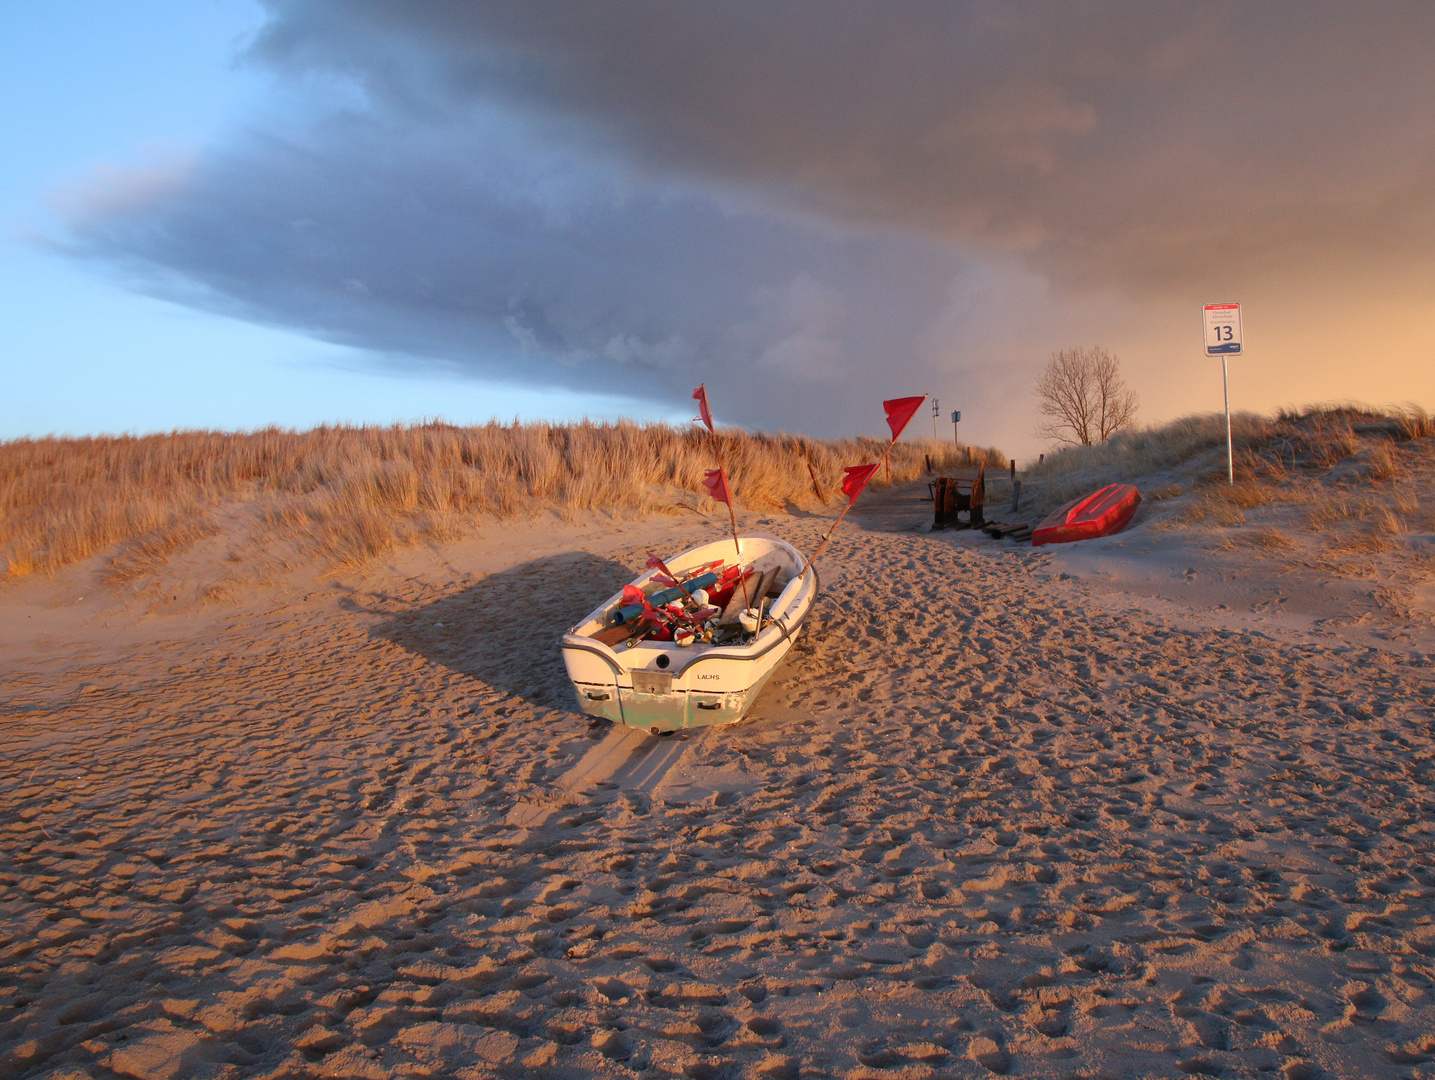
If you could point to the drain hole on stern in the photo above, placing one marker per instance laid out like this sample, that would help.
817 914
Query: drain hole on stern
662 659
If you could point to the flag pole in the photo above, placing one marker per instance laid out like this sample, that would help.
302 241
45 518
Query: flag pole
850 503
731 515
813 558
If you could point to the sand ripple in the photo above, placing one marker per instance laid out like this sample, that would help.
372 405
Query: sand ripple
977 827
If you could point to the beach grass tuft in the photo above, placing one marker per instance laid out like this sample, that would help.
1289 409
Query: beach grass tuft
345 494
1339 482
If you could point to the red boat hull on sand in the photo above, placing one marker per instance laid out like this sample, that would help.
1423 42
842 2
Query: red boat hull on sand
1099 514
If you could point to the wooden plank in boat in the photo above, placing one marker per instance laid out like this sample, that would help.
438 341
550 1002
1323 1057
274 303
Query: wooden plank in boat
614 636
765 585
756 589
734 604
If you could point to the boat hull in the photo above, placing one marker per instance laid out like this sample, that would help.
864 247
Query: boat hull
661 686
1101 513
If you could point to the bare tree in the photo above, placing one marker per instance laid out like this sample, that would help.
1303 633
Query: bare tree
1084 398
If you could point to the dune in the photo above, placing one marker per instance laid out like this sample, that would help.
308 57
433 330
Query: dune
1155 805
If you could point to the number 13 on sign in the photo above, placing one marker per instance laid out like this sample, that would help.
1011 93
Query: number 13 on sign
1222 323
1223 329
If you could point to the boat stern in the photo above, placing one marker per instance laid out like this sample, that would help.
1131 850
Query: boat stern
654 704
660 686
594 675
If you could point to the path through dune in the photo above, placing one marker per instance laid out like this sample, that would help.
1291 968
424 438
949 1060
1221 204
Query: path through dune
977 825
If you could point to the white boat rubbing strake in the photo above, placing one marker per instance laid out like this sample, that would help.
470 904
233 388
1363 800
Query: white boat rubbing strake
661 686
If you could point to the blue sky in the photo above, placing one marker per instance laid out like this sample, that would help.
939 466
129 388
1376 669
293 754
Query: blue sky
89 86
228 214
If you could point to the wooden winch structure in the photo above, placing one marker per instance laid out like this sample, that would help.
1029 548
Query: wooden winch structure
954 496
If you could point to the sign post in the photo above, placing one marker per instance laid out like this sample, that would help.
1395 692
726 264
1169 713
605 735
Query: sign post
1222 326
956 419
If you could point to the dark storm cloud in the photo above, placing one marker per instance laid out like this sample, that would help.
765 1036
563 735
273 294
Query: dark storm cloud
466 246
1141 142
635 195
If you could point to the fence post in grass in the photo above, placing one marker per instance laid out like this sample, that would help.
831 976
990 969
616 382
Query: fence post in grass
816 484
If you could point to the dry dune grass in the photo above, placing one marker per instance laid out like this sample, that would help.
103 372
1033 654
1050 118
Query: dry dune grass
1265 538
1355 480
1341 469
344 494
152 550
1267 448
1140 453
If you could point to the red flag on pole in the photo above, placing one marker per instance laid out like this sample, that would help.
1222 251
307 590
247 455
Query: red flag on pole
900 411
855 480
716 483
655 563
700 395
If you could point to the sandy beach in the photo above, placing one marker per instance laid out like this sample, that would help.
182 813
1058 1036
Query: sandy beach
1129 809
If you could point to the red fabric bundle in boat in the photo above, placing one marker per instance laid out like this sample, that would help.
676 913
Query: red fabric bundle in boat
720 595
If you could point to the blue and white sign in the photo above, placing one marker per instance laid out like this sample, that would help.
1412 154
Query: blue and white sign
1223 329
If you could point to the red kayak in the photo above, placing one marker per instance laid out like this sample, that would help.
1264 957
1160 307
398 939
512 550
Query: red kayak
1099 514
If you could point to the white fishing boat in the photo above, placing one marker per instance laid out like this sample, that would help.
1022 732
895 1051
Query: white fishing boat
662 686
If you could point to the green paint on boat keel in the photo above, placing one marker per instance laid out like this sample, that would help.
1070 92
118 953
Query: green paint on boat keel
678 710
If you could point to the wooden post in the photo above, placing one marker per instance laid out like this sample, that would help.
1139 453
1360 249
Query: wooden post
816 484
979 496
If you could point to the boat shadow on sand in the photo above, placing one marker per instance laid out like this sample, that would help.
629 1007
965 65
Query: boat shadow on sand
504 630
